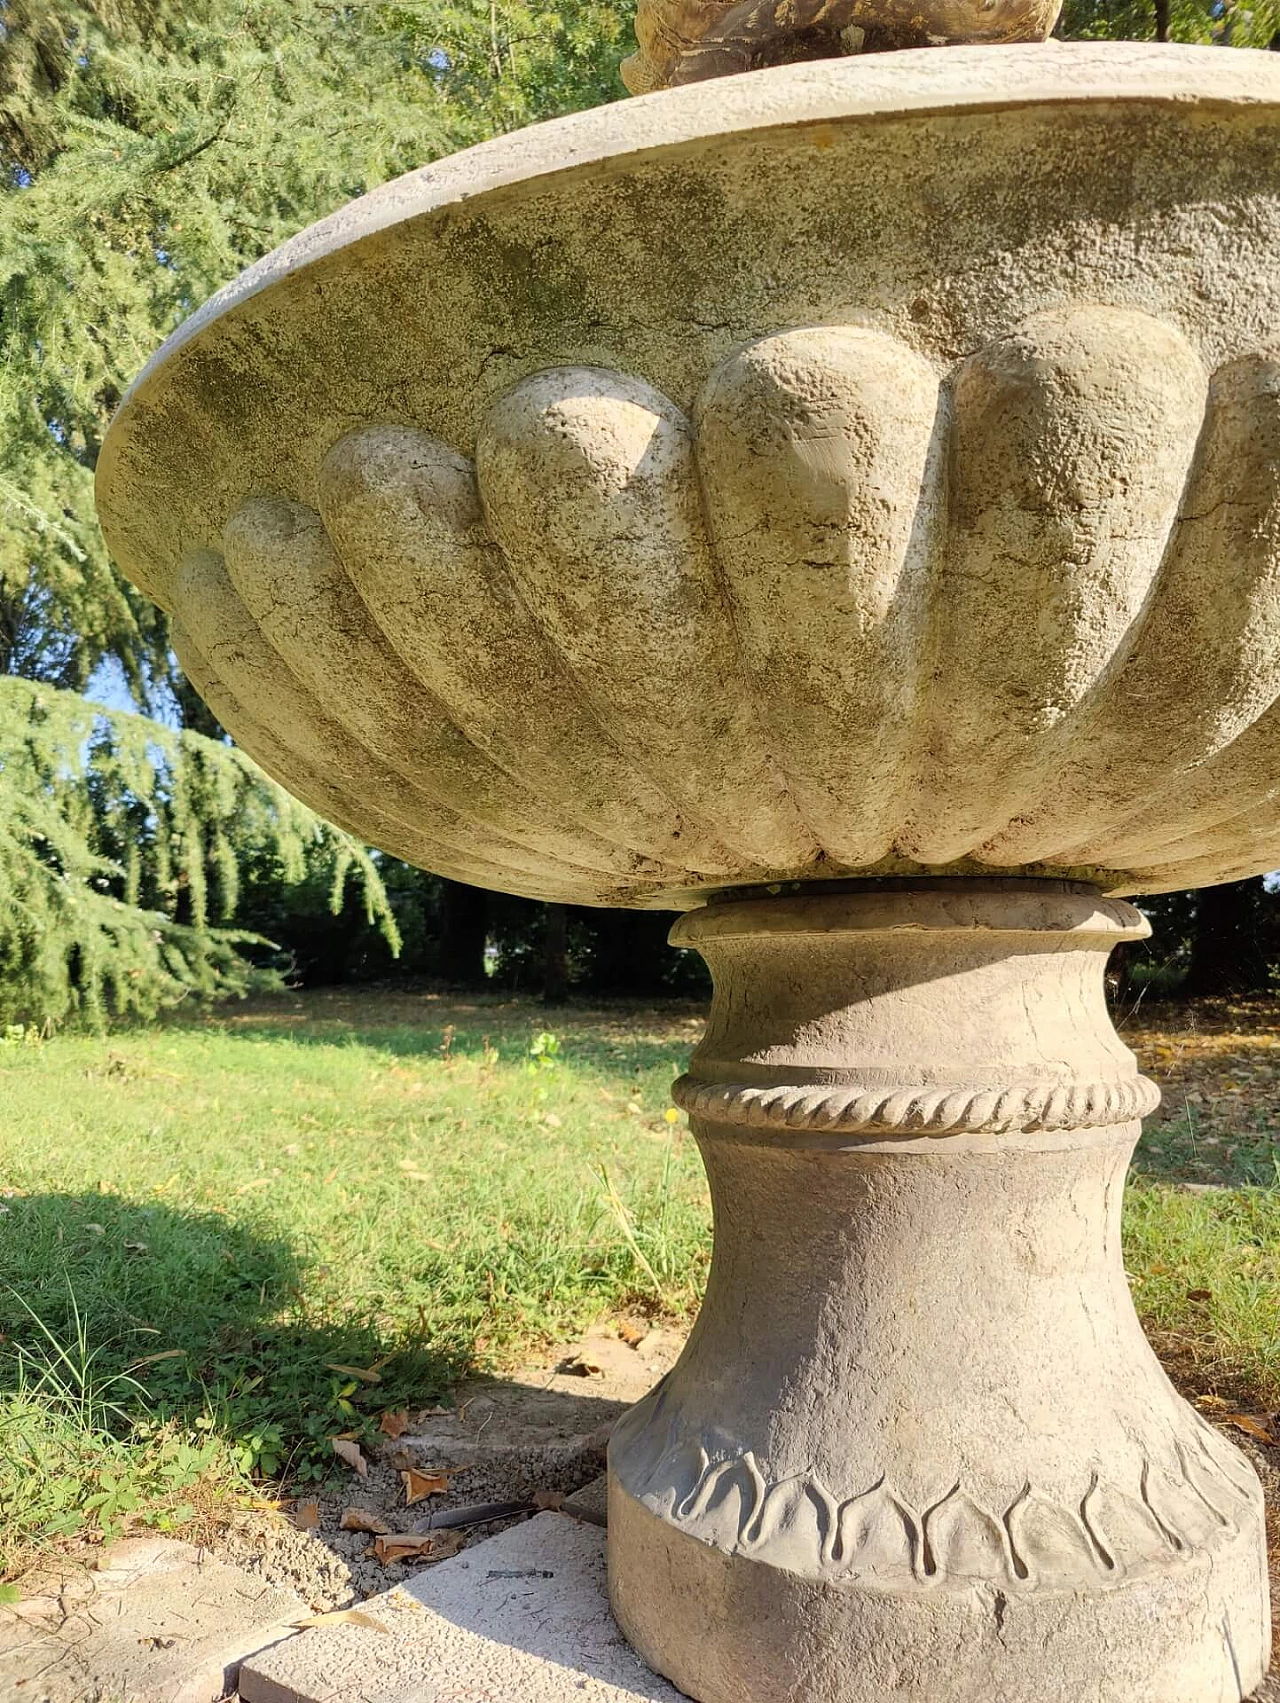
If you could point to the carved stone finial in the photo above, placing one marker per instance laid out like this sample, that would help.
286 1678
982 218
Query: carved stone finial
686 41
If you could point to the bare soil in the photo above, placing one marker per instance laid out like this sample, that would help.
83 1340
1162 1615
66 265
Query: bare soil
528 1439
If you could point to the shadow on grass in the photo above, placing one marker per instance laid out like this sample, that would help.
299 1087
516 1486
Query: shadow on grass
145 1350
188 1317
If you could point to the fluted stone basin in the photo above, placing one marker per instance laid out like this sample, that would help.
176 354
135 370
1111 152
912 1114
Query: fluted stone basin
846 494
713 420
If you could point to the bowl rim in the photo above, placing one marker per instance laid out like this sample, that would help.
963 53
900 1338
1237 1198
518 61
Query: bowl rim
909 82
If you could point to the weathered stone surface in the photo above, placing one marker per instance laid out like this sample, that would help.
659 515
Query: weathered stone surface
521 1618
158 1622
591 1502
625 509
917 1449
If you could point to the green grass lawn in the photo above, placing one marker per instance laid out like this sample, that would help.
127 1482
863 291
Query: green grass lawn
202 1224
199 1222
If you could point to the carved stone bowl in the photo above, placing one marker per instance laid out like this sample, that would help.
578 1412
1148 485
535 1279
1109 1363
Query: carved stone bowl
852 469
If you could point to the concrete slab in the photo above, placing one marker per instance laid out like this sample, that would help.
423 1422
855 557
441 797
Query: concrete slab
158 1622
521 1618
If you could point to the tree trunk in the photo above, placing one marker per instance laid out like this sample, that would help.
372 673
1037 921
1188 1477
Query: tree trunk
630 952
1226 954
1162 19
464 920
555 956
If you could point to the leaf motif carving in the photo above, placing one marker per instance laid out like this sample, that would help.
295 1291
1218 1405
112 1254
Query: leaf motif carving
1040 1541
963 1540
1049 1544
878 1536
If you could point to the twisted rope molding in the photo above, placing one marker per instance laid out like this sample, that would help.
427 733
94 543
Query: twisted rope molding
932 1111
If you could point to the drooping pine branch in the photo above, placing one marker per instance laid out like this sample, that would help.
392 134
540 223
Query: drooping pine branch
122 843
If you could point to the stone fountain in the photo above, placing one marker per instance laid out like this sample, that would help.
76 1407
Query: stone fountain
838 502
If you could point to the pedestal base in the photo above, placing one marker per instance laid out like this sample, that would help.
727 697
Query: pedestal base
918 1449
725 1628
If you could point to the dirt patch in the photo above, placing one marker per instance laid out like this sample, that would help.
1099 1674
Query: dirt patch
523 1441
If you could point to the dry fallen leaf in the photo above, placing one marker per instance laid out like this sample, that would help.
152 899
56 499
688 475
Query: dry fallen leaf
580 1369
1199 1294
306 1516
419 1485
406 1547
361 1520
370 1374
351 1453
340 1617
394 1423
631 1333
1252 1424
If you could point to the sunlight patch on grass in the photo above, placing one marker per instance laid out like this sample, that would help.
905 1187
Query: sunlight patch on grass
1205 1271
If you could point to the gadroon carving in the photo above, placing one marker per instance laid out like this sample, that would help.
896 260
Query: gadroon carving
758 642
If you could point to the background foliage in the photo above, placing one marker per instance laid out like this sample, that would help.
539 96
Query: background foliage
121 849
150 150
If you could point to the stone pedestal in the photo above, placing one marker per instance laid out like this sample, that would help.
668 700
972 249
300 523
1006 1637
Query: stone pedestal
918 1449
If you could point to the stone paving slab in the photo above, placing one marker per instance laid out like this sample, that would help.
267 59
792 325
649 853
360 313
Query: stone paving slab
159 1622
521 1618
